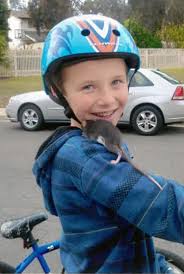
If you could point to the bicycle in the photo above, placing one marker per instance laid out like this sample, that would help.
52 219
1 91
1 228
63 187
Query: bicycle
22 228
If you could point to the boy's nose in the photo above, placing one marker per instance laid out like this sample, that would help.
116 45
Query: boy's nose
105 97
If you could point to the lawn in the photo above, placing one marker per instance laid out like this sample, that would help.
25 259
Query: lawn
13 86
177 73
16 85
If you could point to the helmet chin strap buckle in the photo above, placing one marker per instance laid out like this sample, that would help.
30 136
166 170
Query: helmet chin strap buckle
53 91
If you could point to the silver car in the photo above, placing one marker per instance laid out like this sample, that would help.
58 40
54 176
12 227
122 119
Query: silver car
155 99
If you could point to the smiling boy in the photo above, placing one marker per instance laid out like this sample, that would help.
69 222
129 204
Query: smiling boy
96 89
108 213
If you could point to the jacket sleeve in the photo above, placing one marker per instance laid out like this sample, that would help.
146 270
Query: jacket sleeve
154 206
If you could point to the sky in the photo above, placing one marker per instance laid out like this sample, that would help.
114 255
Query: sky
23 1
26 1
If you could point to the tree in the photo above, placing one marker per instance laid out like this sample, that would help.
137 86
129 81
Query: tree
149 13
35 10
155 14
174 12
4 13
3 31
143 37
46 13
116 9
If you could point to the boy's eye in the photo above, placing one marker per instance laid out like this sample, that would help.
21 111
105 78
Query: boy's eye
117 82
88 88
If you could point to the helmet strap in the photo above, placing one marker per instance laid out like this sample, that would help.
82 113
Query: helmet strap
62 101
70 114
135 70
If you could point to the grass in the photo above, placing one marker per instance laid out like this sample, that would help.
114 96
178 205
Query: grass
13 86
17 85
177 73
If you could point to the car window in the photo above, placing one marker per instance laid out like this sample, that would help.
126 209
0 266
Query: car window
139 80
166 77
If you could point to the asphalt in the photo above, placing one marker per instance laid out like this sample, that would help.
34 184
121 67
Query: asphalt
3 116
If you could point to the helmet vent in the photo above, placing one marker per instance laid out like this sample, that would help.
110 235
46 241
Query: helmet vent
116 32
85 32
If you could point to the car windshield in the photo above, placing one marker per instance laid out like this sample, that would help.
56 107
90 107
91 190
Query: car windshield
166 77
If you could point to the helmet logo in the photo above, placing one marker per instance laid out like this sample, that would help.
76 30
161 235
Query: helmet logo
61 38
101 36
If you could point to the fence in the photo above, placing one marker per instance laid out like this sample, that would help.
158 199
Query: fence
162 58
22 63
27 62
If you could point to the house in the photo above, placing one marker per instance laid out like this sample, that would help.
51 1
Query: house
21 30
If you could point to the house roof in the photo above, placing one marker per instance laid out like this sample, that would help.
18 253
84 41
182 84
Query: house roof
34 37
20 13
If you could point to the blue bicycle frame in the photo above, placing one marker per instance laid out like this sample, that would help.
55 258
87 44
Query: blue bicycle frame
38 252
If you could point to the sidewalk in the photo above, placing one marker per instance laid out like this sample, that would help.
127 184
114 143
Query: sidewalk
2 112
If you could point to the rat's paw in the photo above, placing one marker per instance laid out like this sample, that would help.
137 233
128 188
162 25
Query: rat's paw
114 162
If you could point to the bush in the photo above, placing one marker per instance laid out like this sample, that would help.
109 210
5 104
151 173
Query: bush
3 50
172 35
143 37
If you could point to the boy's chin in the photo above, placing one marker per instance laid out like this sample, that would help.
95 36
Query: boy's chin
112 120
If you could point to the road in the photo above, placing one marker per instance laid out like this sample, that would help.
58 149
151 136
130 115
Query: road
20 196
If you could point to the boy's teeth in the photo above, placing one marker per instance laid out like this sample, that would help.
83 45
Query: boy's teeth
104 114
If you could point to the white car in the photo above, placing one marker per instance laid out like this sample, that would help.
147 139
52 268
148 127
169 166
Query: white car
155 99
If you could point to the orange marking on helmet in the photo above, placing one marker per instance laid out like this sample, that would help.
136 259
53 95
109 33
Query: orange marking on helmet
100 45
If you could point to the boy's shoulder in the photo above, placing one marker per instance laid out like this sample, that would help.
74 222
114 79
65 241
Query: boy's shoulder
69 143
88 148
80 146
54 138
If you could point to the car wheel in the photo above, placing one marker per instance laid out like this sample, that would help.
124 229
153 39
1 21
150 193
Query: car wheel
147 120
30 117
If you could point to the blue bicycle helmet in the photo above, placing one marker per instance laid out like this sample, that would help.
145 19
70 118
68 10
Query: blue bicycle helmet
82 38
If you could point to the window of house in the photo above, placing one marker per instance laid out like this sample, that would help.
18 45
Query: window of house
17 33
30 23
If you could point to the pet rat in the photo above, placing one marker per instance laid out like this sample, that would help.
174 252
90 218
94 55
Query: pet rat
105 133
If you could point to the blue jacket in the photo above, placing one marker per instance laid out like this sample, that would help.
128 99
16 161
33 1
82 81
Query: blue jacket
108 213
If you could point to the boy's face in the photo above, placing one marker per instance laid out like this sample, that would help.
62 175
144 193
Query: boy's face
96 89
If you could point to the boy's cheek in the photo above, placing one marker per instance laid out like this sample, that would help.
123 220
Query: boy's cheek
123 102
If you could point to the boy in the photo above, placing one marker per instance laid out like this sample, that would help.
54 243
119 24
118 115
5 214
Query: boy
108 213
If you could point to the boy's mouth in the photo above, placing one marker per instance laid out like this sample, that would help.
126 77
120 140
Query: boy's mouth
105 114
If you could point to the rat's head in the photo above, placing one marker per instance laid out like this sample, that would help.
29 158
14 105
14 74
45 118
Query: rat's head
84 67
105 133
